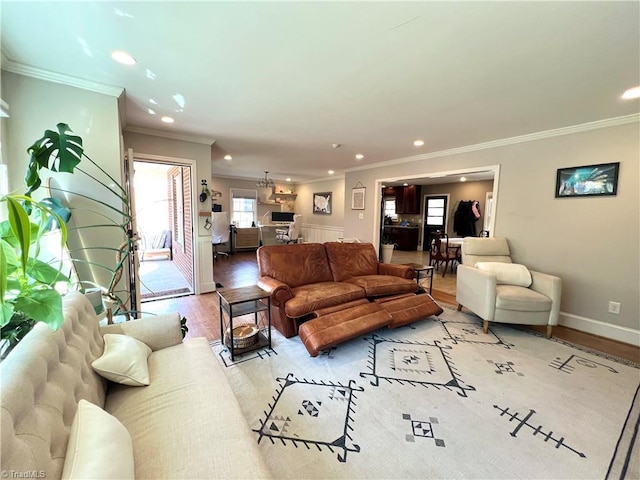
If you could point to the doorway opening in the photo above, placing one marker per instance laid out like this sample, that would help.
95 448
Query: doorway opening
163 215
435 217
437 212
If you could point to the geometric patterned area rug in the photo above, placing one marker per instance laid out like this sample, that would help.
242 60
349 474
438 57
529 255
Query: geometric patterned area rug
440 399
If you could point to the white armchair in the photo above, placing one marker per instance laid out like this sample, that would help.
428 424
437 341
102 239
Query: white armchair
497 290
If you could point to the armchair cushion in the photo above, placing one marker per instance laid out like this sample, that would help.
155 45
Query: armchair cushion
507 273
514 298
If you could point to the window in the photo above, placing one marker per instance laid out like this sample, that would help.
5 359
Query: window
435 211
243 207
390 208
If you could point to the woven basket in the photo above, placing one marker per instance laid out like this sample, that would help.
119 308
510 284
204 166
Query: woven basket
243 336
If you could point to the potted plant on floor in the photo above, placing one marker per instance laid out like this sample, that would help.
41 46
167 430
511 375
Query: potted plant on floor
387 248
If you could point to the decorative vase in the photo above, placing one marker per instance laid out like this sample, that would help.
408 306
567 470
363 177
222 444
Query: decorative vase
387 252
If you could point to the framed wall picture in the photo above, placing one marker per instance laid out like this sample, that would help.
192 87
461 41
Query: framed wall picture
322 203
587 180
357 198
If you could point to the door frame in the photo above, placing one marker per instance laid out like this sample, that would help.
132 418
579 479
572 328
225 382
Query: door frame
424 216
377 221
183 162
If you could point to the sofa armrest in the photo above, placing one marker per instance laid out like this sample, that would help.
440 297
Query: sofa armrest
157 332
476 290
280 292
402 271
551 286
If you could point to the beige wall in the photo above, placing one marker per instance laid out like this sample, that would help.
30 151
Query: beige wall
592 243
304 203
37 105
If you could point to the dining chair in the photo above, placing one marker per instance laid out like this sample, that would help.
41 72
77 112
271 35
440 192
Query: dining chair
439 251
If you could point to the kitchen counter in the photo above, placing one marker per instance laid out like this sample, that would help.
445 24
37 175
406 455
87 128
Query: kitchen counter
406 238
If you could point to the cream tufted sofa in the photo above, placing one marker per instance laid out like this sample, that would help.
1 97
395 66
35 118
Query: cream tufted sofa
185 424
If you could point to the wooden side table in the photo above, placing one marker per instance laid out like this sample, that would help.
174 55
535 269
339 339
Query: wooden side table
235 302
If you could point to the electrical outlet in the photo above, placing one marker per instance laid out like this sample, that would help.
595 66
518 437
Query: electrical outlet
361 216
614 307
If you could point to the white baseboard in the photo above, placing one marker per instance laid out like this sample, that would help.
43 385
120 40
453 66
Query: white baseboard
602 329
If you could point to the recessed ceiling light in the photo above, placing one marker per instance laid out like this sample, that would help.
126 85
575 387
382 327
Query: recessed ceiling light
228 157
463 179
418 143
151 112
632 93
331 172
167 119
359 156
405 184
288 179
123 57
152 101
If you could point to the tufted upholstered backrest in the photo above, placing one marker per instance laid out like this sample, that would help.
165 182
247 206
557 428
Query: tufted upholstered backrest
41 382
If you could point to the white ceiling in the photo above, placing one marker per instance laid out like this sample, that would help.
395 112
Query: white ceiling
277 83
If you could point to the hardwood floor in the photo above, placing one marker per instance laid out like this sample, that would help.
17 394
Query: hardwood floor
241 270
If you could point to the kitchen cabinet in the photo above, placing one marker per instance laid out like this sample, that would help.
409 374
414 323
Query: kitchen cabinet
406 238
408 199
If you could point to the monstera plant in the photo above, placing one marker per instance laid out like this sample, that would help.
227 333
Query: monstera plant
27 291
27 283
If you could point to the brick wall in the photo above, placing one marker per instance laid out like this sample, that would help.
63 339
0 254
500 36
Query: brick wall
181 249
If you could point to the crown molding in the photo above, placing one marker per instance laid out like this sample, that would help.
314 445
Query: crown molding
584 127
185 137
41 74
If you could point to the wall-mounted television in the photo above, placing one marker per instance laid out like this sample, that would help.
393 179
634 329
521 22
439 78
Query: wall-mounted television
280 217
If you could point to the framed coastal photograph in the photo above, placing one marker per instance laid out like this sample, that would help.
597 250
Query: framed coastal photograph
588 180
322 203
357 198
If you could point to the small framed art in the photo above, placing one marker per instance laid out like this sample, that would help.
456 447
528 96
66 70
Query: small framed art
587 180
357 198
322 203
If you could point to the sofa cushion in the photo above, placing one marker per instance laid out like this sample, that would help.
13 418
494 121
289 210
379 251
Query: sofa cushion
187 423
377 285
348 260
308 298
99 446
124 360
511 297
507 273
294 264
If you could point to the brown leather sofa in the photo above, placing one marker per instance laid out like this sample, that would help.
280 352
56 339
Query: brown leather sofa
309 277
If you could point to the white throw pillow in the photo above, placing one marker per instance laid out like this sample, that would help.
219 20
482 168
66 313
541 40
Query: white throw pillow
507 273
99 446
124 360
